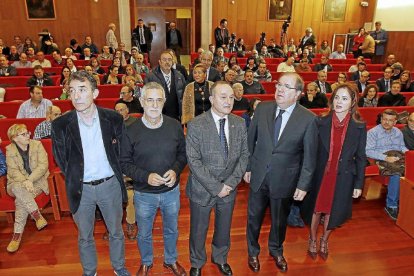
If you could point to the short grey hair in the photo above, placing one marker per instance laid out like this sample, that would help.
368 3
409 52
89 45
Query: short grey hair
150 86
207 53
218 83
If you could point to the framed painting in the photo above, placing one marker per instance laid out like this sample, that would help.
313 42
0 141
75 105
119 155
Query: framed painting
279 10
334 10
40 9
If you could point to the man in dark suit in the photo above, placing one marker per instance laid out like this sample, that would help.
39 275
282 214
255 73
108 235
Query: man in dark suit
86 147
323 85
221 35
308 40
143 37
174 40
6 69
39 78
282 142
173 83
362 82
384 84
217 155
213 74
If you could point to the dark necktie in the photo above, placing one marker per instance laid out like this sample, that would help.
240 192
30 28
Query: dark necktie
278 125
141 36
387 86
168 82
223 140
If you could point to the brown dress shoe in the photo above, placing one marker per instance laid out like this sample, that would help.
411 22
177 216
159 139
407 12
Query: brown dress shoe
176 269
281 263
144 270
254 263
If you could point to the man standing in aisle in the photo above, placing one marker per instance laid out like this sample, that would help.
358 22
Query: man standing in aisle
282 138
86 147
174 40
144 37
217 155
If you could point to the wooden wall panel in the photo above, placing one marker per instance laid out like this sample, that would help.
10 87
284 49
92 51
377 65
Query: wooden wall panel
74 19
304 14
402 45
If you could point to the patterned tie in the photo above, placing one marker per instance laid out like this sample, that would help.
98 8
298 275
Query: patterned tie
387 85
141 36
278 125
223 140
323 88
168 81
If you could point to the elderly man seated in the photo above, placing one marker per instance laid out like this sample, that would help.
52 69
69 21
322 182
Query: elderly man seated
240 103
339 53
41 60
6 69
27 165
44 129
127 98
36 106
23 62
39 78
287 66
385 143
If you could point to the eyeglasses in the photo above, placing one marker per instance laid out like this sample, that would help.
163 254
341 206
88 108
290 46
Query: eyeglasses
151 101
124 93
27 134
280 85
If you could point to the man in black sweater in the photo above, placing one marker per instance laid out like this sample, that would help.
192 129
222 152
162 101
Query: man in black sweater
153 156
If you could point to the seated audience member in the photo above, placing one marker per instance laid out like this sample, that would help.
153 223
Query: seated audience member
139 65
123 110
262 74
384 83
6 69
177 66
131 82
36 106
220 56
390 61
232 61
411 102
362 66
323 85
397 68
230 76
89 44
381 139
407 85
357 41
313 98
212 49
27 166
368 46
96 66
250 64
122 60
264 52
3 167
41 60
221 68
112 76
125 54
342 78
69 54
240 103
127 98
75 47
22 62
2 95
275 50
250 86
31 54
39 78
64 76
289 47
303 66
257 58
87 54
354 67
106 54
239 72
117 63
134 53
394 97
408 132
196 95
305 55
339 53
311 52
71 65
287 65
323 65
248 115
89 69
197 60
324 49
240 47
4 49
57 60
369 97
44 129
14 54
129 71
65 91
362 82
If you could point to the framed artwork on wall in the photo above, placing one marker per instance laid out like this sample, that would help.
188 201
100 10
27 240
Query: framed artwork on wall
40 9
279 10
334 10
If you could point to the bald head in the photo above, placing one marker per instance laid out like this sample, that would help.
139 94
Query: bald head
122 109
53 112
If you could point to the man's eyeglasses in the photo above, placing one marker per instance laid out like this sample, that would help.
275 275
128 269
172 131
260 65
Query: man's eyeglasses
281 85
151 101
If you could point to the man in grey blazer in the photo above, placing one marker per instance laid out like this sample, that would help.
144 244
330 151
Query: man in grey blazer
282 141
217 154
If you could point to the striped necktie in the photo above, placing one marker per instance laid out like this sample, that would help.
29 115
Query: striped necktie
168 81
223 140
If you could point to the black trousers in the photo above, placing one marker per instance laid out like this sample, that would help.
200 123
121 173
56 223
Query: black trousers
199 222
279 211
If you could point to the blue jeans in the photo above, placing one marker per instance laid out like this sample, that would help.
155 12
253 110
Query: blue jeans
108 196
146 206
393 194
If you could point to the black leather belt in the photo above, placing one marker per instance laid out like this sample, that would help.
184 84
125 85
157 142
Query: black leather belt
97 182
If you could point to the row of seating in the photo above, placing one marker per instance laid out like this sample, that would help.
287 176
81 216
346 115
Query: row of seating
48 70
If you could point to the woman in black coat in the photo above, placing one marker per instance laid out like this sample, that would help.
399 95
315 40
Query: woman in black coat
340 170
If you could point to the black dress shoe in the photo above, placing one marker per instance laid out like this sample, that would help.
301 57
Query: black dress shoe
254 263
195 271
225 269
281 263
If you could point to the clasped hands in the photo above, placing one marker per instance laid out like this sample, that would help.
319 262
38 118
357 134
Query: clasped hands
28 185
168 179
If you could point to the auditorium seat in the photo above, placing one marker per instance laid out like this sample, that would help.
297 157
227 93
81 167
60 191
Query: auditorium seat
106 102
19 81
6 123
48 70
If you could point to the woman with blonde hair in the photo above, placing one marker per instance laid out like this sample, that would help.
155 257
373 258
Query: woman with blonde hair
27 172
130 71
